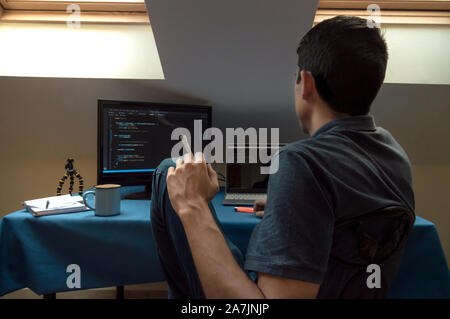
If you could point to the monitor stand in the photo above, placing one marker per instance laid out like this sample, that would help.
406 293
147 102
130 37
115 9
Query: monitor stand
145 195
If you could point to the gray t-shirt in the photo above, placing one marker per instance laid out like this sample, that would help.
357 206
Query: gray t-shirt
348 168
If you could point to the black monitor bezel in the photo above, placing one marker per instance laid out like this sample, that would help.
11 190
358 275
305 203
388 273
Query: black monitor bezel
142 178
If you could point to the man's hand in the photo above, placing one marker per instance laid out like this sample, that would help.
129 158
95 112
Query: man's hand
258 207
192 183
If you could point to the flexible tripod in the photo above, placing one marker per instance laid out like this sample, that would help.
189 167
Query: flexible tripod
70 172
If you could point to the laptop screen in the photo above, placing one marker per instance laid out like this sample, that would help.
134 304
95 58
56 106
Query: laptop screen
246 177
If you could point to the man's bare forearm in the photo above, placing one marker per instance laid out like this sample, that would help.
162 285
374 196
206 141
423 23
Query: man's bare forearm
219 273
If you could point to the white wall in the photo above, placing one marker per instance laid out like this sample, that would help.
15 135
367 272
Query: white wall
92 51
418 54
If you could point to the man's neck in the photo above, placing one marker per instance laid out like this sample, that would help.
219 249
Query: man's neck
319 119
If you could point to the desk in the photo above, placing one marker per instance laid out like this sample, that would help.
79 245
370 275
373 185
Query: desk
119 250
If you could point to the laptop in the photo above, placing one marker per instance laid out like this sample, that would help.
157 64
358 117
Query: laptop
244 181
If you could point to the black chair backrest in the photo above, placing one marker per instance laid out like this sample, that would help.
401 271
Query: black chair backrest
375 238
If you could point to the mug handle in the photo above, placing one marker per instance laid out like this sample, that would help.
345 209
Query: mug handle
84 198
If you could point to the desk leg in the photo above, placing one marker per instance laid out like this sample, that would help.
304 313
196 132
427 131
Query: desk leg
50 296
120 292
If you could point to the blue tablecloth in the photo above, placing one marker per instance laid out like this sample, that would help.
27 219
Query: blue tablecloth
119 250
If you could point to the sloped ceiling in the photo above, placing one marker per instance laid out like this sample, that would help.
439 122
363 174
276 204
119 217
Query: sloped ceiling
239 56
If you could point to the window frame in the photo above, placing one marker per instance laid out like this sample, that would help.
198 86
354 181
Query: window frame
92 11
405 5
404 12
85 5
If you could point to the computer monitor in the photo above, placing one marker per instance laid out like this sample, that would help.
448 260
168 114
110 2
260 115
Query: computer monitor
134 137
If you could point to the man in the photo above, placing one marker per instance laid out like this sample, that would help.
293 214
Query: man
347 168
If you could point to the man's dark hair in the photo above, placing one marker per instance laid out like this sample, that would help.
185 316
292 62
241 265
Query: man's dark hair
347 60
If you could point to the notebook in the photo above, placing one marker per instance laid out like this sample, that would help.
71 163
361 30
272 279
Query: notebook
56 205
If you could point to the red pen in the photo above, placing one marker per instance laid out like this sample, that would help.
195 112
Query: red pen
244 210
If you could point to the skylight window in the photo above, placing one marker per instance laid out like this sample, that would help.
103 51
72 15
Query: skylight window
85 5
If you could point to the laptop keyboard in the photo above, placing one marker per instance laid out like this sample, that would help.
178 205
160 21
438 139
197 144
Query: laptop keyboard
245 196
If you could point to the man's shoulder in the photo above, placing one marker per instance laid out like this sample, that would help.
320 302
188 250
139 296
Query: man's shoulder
338 151
339 141
306 147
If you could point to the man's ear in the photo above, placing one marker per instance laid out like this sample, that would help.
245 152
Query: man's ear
308 85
